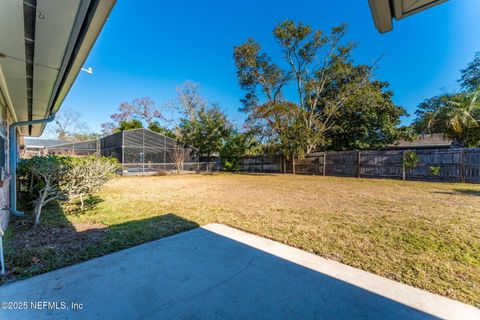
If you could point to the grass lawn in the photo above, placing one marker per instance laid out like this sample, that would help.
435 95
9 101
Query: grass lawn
423 234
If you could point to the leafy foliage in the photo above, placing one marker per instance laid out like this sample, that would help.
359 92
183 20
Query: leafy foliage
44 176
435 171
206 131
236 146
136 114
129 125
457 116
369 119
158 128
470 79
85 176
323 74
49 178
201 125
410 160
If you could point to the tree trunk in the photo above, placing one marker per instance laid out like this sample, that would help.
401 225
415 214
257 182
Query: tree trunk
37 210
81 202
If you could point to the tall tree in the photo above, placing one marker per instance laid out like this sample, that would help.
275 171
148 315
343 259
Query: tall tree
457 116
314 60
141 112
67 124
369 119
158 128
189 102
207 131
201 125
142 109
470 78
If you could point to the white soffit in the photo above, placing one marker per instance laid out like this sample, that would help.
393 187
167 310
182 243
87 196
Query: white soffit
58 34
383 11
404 8
12 53
54 24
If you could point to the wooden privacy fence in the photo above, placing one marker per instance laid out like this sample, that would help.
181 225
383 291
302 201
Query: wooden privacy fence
449 165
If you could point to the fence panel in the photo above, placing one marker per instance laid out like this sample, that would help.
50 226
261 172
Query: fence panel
261 164
448 165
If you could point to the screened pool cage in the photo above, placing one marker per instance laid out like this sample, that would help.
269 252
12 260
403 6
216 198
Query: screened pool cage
139 151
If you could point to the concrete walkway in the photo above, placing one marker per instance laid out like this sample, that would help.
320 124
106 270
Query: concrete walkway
216 272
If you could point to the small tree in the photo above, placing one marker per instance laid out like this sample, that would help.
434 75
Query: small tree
86 175
50 178
48 172
236 146
179 156
410 160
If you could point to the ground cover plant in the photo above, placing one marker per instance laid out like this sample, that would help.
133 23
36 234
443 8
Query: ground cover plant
422 234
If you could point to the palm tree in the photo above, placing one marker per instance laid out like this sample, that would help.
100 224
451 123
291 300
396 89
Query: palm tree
458 118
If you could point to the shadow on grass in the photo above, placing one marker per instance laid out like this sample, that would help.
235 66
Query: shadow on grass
245 173
57 243
462 192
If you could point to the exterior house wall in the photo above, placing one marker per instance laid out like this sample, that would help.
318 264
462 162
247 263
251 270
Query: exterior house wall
5 120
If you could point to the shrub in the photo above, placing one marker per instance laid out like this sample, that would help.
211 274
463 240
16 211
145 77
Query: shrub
435 171
63 178
44 175
86 175
235 147
410 160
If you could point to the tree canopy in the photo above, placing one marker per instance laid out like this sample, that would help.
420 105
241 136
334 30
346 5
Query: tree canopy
140 113
470 76
319 68
369 119
455 115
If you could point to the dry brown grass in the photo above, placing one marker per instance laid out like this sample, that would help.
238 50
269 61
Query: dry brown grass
423 234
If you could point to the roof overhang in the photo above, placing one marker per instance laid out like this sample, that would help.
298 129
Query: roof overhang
383 11
43 45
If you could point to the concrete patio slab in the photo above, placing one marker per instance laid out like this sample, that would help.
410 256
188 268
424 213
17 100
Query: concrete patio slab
217 272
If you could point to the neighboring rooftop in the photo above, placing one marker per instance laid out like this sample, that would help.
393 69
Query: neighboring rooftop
434 140
29 142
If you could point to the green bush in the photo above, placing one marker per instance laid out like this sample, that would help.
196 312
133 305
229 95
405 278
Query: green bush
410 160
435 171
235 147
63 178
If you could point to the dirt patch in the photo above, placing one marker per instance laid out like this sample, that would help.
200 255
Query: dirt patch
58 237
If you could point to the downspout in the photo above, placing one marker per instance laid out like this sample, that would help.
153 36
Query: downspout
13 159
2 261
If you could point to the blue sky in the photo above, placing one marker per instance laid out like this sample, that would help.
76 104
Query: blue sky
147 48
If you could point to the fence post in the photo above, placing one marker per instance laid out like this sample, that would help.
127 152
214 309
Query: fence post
324 162
462 167
358 164
293 164
318 167
403 165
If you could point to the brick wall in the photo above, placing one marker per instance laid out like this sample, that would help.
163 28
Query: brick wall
5 120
